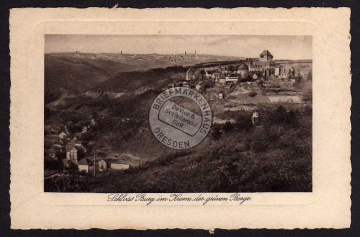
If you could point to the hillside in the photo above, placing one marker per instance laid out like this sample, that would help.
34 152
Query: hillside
128 82
75 75
123 124
78 72
274 156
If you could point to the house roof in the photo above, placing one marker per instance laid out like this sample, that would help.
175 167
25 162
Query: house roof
69 147
243 66
266 52
83 162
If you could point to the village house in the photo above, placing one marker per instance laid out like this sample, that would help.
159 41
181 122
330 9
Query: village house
232 78
269 71
207 74
118 165
83 165
255 118
101 165
221 95
222 80
62 135
243 70
198 85
71 152
215 75
223 121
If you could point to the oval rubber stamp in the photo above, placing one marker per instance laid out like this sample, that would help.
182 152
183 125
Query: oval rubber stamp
176 126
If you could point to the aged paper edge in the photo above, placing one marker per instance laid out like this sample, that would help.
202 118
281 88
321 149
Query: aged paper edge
331 191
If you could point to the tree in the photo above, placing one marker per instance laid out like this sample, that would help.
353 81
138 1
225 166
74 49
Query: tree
228 127
202 73
307 97
216 134
232 68
243 122
292 119
207 84
279 115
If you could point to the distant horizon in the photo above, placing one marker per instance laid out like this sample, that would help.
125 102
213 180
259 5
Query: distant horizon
280 59
281 47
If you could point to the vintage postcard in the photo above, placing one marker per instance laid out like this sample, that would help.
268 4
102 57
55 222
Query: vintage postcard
147 119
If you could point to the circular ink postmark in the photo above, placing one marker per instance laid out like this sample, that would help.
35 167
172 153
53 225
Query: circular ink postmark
176 125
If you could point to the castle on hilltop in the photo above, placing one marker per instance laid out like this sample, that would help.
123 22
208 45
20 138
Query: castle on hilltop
265 64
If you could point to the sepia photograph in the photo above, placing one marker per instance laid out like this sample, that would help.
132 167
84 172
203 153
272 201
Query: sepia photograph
146 119
178 113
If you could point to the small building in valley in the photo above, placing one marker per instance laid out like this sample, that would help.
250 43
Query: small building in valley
83 165
232 78
118 165
255 118
71 152
243 70
221 95
62 135
101 165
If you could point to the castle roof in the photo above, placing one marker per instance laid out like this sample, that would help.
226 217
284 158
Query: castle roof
266 52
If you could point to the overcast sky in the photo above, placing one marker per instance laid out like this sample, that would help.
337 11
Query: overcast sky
281 47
